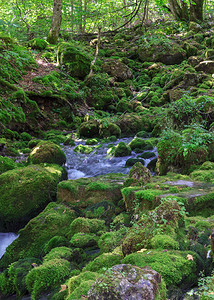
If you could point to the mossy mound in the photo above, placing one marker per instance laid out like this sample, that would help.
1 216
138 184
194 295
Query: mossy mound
25 191
47 276
129 123
79 285
89 129
86 225
138 175
174 266
53 221
47 152
84 192
103 261
84 240
117 69
137 143
107 130
121 150
38 44
83 149
76 62
6 164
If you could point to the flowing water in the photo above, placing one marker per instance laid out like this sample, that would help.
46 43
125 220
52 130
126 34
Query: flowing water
5 240
98 162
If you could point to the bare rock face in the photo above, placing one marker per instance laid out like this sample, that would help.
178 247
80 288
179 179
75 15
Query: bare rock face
126 282
117 69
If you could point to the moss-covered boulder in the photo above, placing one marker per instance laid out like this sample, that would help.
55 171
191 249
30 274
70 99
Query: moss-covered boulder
47 152
176 267
38 44
53 221
121 150
47 277
130 123
84 192
164 219
79 285
137 143
6 164
24 192
117 69
76 62
83 149
138 175
110 129
125 281
86 225
89 129
103 261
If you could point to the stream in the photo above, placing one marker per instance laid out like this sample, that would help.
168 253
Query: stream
98 162
78 165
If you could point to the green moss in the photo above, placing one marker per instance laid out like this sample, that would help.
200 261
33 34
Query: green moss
91 142
121 150
98 186
38 44
173 266
18 186
47 152
83 149
76 62
47 276
6 164
137 143
203 175
107 130
85 225
53 221
110 240
164 242
84 240
76 284
103 262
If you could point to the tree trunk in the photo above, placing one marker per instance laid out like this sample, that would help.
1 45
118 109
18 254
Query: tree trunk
56 22
196 10
187 12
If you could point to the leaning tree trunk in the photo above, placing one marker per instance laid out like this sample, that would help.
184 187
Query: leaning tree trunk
196 10
56 22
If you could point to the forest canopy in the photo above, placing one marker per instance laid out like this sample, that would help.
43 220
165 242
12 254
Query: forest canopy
33 18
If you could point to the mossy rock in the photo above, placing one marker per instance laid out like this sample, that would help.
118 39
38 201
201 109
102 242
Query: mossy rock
124 280
147 155
174 266
38 44
53 221
203 175
47 277
85 192
83 149
18 186
108 130
132 161
6 164
130 123
76 63
89 129
138 175
121 150
103 262
164 219
80 284
110 240
16 275
84 240
137 143
163 241
117 69
141 200
47 152
86 225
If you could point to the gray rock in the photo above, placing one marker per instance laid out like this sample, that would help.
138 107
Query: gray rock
126 282
117 69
